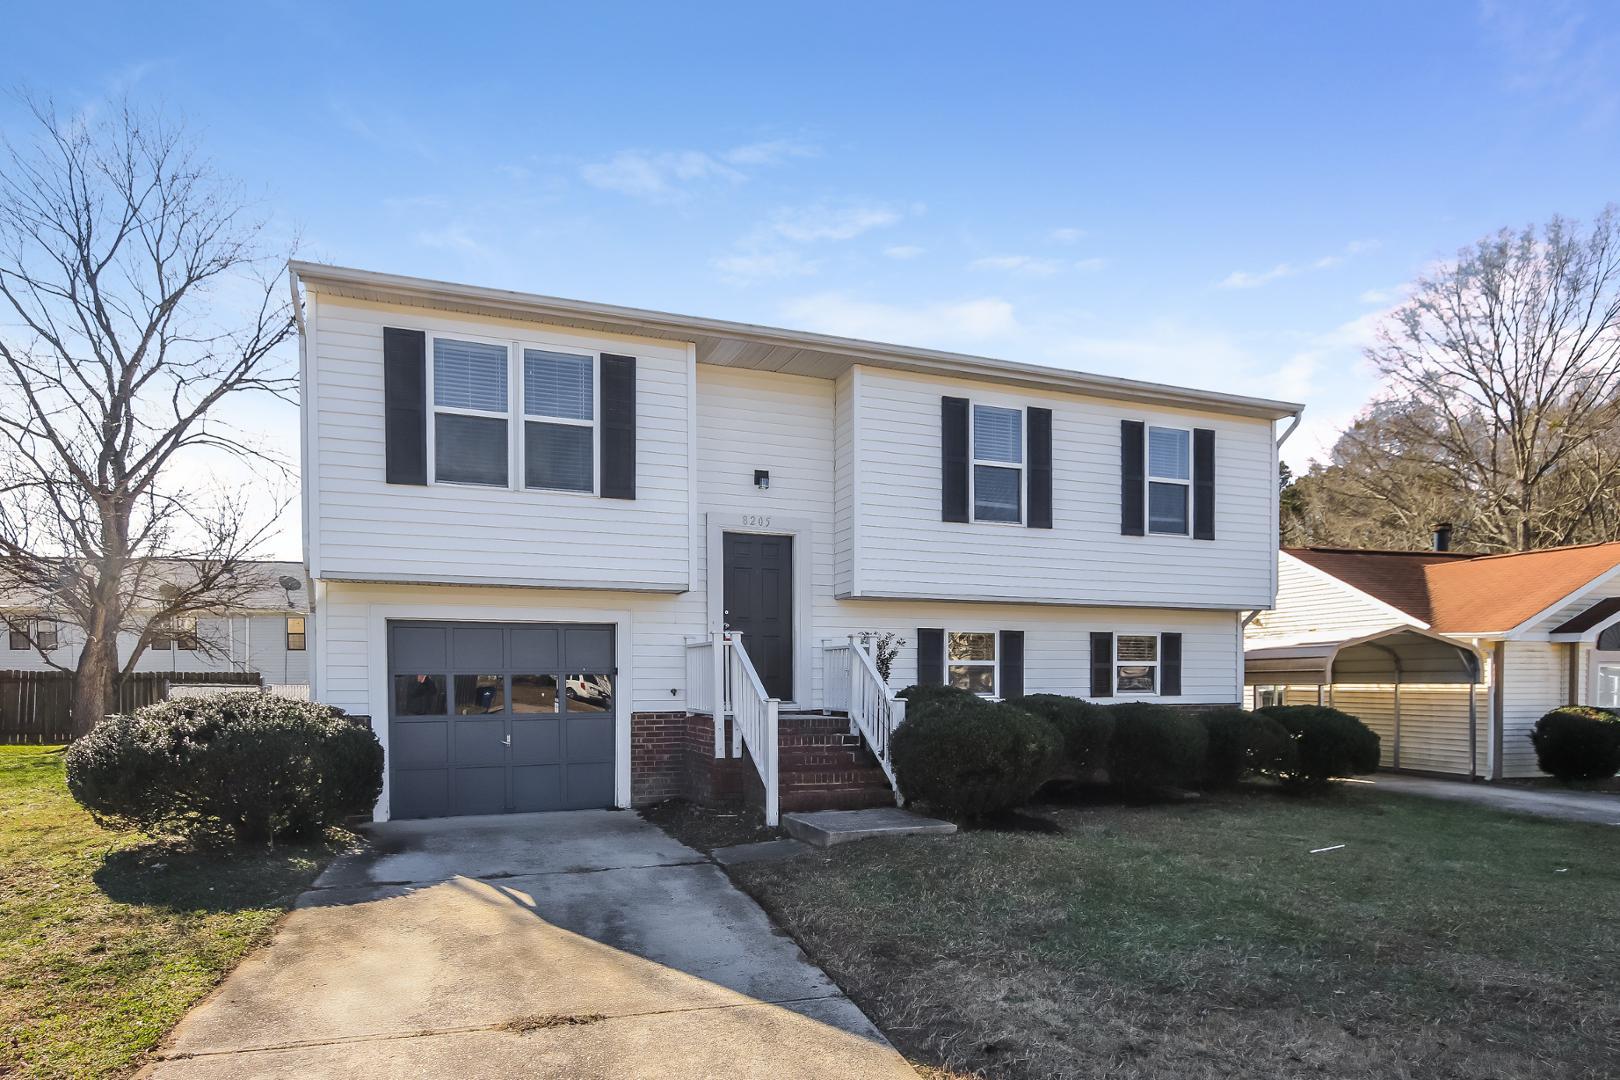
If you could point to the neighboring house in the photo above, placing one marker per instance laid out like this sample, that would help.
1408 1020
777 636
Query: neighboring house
269 632
528 519
1544 625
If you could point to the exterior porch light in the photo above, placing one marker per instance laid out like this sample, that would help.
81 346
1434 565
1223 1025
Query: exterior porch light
762 479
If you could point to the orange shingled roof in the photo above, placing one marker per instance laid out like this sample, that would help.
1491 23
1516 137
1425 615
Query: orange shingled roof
1455 592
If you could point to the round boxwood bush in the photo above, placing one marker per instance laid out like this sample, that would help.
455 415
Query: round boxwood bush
1578 742
1327 743
1085 728
243 766
1155 748
917 694
968 758
1242 742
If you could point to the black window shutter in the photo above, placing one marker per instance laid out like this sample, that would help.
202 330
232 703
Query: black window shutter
1039 423
618 426
1203 488
953 458
1170 664
1010 658
1102 665
1132 512
930 657
404 406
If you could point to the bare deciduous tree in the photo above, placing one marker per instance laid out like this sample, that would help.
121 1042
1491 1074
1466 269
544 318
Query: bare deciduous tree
120 255
1500 402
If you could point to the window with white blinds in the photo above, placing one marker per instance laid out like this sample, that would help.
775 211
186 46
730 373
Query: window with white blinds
998 464
470 406
560 451
1169 479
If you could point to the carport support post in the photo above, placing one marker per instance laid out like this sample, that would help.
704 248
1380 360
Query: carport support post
1395 751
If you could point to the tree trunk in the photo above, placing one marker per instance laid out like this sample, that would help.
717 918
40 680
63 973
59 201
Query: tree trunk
92 683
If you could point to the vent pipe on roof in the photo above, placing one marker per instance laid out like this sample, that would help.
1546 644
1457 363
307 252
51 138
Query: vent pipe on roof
1442 536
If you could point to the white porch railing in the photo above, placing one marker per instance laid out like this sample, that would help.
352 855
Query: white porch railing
721 681
852 683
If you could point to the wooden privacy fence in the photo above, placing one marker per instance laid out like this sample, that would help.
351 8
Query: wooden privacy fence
35 706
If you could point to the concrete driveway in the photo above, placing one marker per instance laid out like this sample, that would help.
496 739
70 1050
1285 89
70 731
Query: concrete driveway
578 944
1594 806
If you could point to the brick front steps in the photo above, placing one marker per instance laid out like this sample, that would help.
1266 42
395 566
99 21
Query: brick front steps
823 767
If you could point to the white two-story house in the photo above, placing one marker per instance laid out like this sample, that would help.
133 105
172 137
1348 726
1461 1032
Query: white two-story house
543 532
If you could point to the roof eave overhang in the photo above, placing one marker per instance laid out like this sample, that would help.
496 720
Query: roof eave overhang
396 288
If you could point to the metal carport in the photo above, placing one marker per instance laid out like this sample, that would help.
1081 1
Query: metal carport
1401 655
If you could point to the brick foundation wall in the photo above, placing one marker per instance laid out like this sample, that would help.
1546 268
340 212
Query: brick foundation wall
672 756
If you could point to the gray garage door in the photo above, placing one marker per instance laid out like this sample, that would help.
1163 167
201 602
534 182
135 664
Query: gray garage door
488 718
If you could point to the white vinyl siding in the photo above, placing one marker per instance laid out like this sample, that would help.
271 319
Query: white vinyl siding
1313 606
901 548
362 528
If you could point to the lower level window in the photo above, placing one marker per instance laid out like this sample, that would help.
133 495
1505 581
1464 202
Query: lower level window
1608 686
28 635
1267 696
295 633
970 661
1136 663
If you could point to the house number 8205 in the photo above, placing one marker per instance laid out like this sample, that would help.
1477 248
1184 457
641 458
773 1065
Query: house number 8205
757 521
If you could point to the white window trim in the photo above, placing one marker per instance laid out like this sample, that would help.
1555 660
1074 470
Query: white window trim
593 423
974 462
515 417
1148 480
1279 690
1158 659
1599 659
994 663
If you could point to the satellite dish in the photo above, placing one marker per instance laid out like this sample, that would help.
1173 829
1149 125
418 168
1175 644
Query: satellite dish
290 583
168 592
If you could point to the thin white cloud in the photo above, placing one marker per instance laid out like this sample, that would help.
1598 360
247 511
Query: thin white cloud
1067 235
1029 265
458 238
903 251
1096 262
822 221
1247 279
746 267
671 175
951 325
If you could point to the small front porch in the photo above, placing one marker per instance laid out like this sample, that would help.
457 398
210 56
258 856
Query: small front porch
735 743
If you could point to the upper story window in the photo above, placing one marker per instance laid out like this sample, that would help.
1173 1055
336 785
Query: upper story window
27 635
1169 479
970 661
559 426
481 428
998 464
470 407
295 633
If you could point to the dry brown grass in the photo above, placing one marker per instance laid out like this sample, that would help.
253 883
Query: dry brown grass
1204 940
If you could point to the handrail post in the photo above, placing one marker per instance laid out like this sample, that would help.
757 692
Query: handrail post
772 809
734 691
850 690
718 696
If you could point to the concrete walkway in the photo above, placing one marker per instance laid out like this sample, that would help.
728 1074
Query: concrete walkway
580 944
1546 802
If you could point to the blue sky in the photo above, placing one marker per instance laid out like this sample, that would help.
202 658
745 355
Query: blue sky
1226 196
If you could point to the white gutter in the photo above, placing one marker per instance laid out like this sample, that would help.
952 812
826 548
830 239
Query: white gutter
1298 416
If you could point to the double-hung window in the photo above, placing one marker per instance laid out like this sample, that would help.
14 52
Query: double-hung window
559 420
970 661
1169 480
1136 663
471 403
998 464
295 633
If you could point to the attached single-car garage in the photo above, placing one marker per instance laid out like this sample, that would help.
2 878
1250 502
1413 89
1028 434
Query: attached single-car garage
493 718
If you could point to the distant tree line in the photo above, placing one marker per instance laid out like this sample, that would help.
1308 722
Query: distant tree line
1499 407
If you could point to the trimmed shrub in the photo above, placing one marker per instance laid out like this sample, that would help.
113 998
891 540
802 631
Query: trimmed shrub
1155 748
1578 742
250 767
917 694
1327 743
1242 742
967 757
1085 728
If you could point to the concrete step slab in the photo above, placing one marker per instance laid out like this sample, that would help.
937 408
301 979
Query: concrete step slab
824 828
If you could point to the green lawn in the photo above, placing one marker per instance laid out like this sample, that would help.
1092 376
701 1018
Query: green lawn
1206 940
107 938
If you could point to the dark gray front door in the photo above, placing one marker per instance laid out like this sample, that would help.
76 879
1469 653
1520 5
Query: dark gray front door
759 604
490 718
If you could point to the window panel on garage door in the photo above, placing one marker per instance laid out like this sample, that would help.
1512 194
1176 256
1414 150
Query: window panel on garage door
500 718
